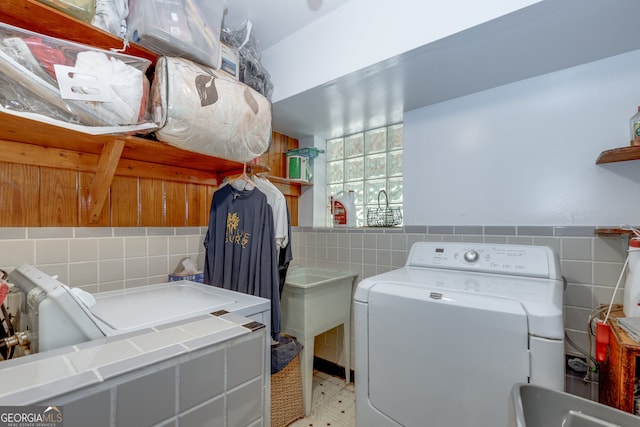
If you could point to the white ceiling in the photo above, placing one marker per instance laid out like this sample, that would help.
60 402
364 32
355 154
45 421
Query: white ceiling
543 38
273 20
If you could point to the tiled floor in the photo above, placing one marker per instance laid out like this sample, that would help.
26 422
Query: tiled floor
334 403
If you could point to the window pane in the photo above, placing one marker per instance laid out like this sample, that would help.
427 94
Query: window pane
334 189
359 216
372 189
377 166
395 137
354 169
395 163
395 190
376 140
366 163
335 172
357 188
354 145
335 149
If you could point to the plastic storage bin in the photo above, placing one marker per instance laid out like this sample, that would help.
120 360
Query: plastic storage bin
184 28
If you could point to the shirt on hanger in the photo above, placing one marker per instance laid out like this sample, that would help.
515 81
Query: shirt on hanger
239 247
278 203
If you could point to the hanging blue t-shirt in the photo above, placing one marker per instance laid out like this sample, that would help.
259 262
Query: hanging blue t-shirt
240 249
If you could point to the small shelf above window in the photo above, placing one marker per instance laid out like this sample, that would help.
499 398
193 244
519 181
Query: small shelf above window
280 180
622 154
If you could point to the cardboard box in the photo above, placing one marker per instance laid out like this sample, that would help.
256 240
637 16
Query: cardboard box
186 270
195 277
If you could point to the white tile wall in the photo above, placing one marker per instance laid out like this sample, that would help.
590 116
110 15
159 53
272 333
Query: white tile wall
100 259
591 265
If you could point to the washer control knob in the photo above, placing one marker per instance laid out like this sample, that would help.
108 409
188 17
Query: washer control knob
471 256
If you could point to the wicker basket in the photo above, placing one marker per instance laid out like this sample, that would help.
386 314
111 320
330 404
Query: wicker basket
383 216
286 395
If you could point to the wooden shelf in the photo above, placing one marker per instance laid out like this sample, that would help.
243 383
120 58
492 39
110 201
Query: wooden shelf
622 154
30 142
281 180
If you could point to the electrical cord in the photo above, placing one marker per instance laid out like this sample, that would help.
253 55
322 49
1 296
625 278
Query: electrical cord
581 350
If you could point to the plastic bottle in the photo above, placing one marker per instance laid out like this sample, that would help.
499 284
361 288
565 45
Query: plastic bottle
634 128
631 304
344 209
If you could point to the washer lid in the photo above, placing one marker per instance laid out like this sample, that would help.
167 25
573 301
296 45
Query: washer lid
145 306
542 299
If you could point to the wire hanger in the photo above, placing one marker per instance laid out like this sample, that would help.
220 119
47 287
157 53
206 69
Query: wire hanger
242 181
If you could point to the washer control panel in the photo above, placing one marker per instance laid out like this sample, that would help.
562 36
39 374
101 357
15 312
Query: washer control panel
521 260
471 255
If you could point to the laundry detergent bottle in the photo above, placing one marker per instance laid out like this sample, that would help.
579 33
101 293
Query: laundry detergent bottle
343 209
631 304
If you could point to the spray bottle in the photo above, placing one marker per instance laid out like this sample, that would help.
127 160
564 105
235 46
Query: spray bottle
631 304
343 209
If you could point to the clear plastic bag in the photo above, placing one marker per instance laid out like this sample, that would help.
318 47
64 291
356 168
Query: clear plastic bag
111 16
46 78
252 73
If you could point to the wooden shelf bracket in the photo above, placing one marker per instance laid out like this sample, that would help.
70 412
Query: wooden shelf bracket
107 165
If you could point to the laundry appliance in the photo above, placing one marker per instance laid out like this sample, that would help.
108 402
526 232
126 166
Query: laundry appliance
443 340
56 315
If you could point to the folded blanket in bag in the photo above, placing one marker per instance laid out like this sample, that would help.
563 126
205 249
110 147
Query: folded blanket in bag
71 84
200 109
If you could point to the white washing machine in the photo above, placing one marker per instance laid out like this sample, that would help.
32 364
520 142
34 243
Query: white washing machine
442 341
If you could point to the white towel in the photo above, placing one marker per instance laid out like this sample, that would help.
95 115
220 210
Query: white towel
631 325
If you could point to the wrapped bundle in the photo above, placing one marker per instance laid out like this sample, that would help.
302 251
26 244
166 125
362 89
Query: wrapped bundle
202 110
67 83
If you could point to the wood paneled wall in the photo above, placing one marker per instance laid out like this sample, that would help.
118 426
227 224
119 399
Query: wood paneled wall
38 196
275 160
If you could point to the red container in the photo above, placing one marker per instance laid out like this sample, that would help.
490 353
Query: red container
602 341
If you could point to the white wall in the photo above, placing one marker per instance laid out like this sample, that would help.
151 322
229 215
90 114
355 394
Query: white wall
365 32
312 203
524 153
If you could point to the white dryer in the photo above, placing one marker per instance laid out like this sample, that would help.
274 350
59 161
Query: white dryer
442 341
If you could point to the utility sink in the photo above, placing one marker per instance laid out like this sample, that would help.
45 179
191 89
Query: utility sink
314 301
535 406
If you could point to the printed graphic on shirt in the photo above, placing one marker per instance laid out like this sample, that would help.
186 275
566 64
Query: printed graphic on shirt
238 237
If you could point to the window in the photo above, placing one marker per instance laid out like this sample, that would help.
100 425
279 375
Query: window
367 163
